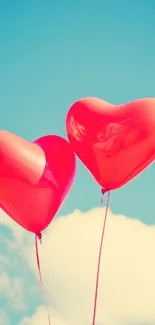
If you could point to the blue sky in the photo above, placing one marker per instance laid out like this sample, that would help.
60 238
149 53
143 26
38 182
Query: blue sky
53 53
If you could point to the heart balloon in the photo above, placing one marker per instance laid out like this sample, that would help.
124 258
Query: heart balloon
115 142
35 178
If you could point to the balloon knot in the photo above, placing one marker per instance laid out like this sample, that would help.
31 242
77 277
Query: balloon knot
103 191
39 236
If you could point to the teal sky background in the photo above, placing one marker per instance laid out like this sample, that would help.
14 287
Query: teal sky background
55 52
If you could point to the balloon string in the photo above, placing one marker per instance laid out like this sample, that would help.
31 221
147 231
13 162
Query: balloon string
40 275
99 259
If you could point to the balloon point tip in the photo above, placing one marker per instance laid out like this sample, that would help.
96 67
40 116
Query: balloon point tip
39 236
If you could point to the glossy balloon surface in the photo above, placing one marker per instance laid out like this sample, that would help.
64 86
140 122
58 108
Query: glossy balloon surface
115 142
35 178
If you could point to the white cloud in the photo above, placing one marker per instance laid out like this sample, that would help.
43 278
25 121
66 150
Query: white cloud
69 259
4 320
11 286
11 289
40 317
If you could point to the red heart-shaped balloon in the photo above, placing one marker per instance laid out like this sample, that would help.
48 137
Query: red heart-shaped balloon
115 142
35 178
